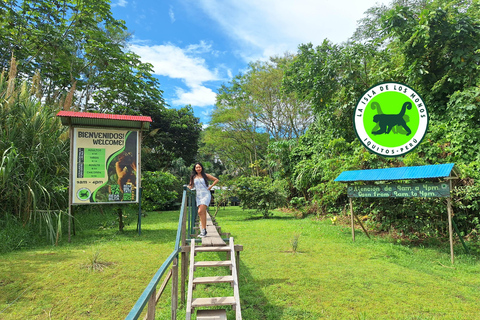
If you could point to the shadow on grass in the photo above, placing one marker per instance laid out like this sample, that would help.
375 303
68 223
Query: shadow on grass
157 236
401 251
91 228
255 304
254 218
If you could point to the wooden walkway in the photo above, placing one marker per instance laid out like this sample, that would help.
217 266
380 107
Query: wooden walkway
213 237
213 242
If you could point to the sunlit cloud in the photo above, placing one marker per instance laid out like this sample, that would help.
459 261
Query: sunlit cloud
185 64
272 27
199 96
120 3
171 14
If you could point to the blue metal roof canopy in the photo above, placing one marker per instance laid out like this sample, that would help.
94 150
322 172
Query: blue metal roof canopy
402 173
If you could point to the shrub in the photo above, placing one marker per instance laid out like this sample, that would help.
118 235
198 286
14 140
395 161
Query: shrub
160 190
261 194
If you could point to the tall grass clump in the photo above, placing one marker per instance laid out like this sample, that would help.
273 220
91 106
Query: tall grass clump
34 153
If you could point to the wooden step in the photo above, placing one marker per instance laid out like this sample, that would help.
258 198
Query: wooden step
210 241
226 263
212 302
212 249
219 314
217 279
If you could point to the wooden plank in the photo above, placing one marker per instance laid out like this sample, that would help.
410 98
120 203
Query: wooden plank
226 263
450 230
351 216
190 281
151 306
212 241
212 249
219 314
174 302
217 279
236 291
160 291
238 247
213 237
184 265
212 302
183 255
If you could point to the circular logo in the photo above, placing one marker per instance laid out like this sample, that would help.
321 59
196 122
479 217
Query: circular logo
390 119
83 194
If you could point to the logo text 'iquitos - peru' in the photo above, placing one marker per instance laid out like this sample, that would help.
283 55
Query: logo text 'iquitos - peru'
390 119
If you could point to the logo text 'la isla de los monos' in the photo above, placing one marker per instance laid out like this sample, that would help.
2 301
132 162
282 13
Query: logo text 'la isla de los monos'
390 119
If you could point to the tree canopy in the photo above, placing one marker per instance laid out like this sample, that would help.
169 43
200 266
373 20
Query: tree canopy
253 110
432 46
79 46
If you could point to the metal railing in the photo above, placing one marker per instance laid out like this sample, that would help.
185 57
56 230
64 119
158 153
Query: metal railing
149 295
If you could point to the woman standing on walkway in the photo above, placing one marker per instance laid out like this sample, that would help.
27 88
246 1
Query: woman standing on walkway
199 181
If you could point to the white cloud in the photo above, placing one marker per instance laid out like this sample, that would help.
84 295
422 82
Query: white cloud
174 62
171 14
272 27
185 64
202 47
120 3
199 96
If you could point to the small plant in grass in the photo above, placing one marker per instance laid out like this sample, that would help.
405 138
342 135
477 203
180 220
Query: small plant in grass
95 264
334 220
294 242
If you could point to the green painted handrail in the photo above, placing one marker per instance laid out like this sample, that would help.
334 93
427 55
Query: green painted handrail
151 287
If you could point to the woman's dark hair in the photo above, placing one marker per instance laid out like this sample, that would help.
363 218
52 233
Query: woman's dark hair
194 173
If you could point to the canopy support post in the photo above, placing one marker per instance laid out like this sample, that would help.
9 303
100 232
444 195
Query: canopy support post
351 216
450 230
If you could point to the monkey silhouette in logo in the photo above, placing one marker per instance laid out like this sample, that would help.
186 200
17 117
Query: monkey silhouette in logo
387 122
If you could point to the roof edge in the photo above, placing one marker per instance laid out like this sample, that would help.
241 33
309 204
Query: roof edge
398 173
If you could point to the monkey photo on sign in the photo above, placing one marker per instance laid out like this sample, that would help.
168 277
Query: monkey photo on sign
387 122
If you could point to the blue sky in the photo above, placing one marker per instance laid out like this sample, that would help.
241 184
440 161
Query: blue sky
197 45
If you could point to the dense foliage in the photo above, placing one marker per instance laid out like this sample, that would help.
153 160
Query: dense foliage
76 44
173 138
34 152
160 190
73 55
260 193
258 134
433 47
251 111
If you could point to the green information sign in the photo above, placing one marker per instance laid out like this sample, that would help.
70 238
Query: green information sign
422 190
94 163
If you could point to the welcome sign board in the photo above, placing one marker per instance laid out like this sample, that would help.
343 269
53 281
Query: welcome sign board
105 163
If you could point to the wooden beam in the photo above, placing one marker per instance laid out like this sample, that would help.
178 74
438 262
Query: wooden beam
174 288
450 230
218 314
351 216
361 225
151 305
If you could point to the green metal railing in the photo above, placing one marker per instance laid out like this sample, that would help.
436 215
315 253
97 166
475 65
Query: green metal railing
149 294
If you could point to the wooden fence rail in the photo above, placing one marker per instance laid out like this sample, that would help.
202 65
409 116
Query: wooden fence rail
149 295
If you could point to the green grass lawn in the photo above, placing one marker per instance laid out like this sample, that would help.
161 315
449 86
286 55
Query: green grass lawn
102 272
